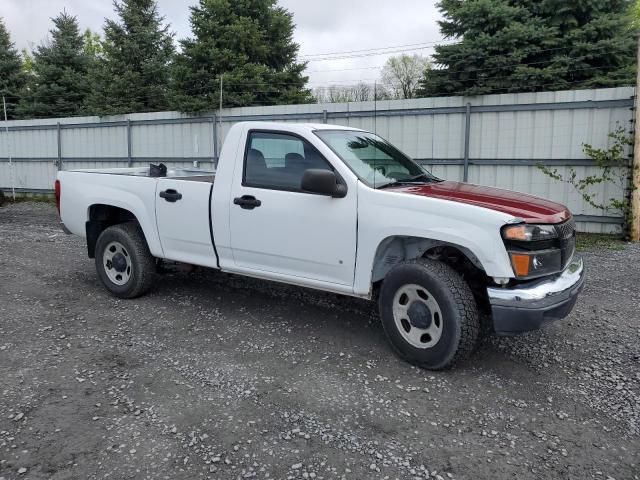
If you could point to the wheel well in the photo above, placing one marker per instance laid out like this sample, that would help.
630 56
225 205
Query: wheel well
395 250
102 217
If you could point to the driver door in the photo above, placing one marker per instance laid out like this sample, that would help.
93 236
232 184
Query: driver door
276 227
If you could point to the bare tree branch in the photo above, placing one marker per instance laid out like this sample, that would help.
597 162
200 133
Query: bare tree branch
402 74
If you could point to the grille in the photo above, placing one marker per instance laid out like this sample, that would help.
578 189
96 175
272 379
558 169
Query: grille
567 235
567 229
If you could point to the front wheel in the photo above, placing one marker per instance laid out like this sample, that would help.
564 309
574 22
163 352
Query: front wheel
123 261
429 314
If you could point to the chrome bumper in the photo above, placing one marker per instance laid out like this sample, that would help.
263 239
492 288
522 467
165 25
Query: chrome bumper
529 306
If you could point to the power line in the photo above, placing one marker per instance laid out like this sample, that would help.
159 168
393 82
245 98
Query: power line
490 57
372 54
311 55
422 46
378 67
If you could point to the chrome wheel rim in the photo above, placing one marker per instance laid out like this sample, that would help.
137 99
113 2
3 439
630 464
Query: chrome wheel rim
417 316
116 262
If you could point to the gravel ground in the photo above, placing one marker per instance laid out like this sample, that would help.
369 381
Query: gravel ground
214 376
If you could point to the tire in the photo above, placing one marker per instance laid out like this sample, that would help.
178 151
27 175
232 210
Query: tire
443 333
123 261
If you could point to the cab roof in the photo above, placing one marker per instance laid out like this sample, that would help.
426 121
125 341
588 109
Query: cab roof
296 127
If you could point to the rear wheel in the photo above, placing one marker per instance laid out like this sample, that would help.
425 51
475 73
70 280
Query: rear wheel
429 314
123 261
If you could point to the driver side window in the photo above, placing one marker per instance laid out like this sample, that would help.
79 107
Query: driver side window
278 161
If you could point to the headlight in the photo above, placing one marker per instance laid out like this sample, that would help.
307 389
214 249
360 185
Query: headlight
537 263
531 250
529 233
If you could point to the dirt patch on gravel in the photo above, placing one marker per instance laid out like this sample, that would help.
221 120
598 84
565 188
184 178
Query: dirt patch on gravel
214 376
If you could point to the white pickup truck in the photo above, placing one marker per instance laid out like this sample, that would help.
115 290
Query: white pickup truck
341 210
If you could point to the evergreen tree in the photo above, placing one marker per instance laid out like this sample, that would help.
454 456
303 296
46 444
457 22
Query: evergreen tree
249 43
522 45
131 72
12 75
58 83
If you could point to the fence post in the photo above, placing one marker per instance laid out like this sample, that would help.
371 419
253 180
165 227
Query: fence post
634 232
324 116
59 140
129 157
215 141
6 131
467 134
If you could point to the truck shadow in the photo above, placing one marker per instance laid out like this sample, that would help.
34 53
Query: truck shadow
342 321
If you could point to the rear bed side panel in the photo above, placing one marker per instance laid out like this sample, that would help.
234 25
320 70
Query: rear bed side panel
183 226
81 190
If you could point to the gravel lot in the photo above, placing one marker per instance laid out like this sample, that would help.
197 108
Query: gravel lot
214 376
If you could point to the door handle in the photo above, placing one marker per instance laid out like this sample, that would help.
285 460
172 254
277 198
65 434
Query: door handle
247 202
171 195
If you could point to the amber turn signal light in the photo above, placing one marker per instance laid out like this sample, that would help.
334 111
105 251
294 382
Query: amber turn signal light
521 264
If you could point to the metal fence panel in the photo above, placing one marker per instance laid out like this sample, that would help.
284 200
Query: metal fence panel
28 144
173 140
87 143
27 176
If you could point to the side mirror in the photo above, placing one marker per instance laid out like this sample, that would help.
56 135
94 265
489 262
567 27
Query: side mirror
322 182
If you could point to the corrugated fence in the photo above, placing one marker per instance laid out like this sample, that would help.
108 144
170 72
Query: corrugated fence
493 140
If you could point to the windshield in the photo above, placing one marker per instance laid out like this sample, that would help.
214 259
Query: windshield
374 160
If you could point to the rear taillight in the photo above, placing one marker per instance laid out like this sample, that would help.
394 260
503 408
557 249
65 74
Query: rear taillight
58 191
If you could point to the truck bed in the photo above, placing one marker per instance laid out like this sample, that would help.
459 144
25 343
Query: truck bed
192 175
210 178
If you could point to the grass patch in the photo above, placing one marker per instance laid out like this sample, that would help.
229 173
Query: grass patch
39 199
599 241
6 198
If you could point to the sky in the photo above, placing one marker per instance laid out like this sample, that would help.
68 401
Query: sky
324 26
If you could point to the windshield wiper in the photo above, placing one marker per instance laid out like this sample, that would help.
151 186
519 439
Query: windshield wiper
409 181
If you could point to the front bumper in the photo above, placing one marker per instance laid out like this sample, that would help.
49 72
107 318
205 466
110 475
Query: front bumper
528 307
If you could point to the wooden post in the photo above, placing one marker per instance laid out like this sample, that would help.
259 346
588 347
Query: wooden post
635 166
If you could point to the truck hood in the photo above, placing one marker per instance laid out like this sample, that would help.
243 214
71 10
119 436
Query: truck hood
527 207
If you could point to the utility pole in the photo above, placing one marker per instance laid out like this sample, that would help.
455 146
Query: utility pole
375 107
635 166
221 77
220 121
6 129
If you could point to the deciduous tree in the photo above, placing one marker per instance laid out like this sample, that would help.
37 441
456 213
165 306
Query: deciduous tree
92 44
360 92
401 75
